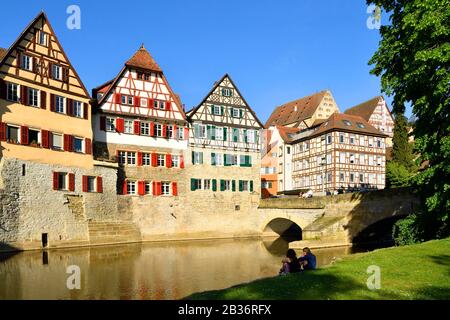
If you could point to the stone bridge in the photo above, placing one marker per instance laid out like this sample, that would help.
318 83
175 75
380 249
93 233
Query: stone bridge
346 218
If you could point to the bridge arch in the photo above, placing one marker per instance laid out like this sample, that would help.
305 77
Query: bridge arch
283 227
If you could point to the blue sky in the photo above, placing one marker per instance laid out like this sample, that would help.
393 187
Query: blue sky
275 51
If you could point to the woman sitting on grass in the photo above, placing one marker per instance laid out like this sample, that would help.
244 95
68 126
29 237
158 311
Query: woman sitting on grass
290 263
308 260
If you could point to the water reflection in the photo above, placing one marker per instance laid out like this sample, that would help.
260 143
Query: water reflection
145 271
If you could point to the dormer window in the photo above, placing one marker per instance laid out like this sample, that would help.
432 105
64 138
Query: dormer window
360 125
43 38
226 92
347 123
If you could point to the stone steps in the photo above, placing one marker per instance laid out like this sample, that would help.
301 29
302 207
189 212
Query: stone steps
113 232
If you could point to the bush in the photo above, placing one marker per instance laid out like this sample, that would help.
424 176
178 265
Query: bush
397 175
408 231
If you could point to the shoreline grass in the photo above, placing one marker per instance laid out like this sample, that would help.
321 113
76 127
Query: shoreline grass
420 271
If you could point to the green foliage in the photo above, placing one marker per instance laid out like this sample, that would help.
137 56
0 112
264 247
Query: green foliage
407 231
413 60
402 150
397 175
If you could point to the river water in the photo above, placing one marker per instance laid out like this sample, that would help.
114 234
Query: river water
170 270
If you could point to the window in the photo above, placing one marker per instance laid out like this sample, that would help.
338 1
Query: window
143 102
360 125
170 131
226 92
341 138
139 75
378 160
362 159
33 97
59 104
352 177
91 184
227 185
361 178
127 100
77 109
362 141
266 185
329 158
12 134
347 123
110 124
352 139
341 177
216 159
56 72
42 40
288 150
148 188
165 188
57 141
122 157
158 130
33 136
329 177
196 184
329 139
161 160
175 161
207 184
197 157
131 158
378 143
146 159
251 136
342 157
131 187
128 126
370 141
27 63
145 128
219 133
235 113
203 133
244 185
306 145
319 179
180 133
352 158
12 90
216 110
158 104
62 181
77 144
370 160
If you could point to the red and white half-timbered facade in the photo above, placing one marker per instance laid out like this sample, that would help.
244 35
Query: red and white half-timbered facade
140 123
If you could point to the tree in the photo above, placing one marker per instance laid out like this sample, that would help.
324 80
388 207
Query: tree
413 60
402 150
397 175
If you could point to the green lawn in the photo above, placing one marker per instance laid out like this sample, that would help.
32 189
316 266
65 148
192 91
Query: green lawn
411 272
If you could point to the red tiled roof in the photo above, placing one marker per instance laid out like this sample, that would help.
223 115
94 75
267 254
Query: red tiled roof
296 111
142 59
285 131
364 109
3 52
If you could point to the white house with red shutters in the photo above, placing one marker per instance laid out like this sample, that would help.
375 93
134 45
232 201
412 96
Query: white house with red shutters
140 123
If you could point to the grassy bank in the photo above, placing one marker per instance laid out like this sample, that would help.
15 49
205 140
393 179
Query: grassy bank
412 272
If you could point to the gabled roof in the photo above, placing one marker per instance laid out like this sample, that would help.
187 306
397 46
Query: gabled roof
364 109
143 60
296 111
44 17
336 122
216 84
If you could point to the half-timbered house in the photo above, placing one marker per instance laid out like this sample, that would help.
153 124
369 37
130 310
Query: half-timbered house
224 143
140 123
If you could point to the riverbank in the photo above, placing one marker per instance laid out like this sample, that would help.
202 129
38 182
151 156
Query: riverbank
411 272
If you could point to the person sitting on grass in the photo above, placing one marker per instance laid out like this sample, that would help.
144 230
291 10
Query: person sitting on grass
308 260
290 263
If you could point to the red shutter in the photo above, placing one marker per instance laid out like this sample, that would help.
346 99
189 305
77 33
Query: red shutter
124 187
137 101
154 160
85 184
85 110
50 70
169 160
174 132
150 103
174 189
24 135
154 187
43 99
139 159
45 139
3 88
168 105
50 140
102 123
69 109
159 188
55 180
164 130
117 98
152 129
24 95
67 146
99 184
137 127
186 133
141 188
52 102
88 146
71 182
120 125
2 131
181 161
